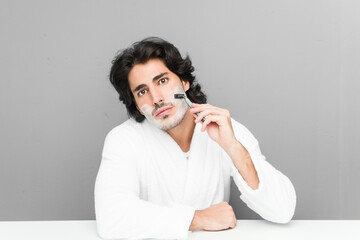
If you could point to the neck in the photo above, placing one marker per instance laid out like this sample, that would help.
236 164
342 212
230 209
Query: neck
182 134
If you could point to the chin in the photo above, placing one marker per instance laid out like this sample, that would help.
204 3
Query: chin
171 120
166 122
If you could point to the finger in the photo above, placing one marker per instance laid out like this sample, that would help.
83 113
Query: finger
209 119
205 113
199 104
200 108
196 117
204 107
206 122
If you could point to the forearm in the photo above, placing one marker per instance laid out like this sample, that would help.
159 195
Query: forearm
275 197
242 161
121 213
134 218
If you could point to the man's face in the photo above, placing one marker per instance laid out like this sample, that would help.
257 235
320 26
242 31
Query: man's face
153 86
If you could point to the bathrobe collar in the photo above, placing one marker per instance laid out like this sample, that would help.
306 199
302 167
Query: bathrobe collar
194 179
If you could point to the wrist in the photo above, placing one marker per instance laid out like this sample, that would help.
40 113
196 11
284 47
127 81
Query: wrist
231 145
196 223
236 149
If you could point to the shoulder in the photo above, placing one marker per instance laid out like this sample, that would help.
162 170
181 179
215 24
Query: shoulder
127 128
125 133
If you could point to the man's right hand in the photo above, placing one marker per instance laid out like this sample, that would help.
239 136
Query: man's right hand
216 217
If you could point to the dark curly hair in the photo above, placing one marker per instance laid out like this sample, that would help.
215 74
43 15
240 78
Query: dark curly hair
140 53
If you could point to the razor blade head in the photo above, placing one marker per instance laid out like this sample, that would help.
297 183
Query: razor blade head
179 96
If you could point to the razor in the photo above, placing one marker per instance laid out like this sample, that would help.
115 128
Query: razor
188 102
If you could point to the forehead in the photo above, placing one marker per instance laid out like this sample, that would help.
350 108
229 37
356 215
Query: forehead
144 73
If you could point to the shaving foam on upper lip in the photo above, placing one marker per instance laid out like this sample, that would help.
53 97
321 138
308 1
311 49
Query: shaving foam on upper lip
166 122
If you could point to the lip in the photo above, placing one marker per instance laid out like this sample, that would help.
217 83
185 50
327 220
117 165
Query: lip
163 111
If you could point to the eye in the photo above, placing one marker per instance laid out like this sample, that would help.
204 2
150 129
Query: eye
163 80
142 92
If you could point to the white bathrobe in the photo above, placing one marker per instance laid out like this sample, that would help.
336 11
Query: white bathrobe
147 188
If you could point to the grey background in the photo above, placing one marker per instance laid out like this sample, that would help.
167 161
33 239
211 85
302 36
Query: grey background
288 70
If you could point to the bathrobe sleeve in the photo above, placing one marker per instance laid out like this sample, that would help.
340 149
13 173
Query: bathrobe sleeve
120 213
275 198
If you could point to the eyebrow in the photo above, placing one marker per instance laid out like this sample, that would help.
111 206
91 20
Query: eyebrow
154 79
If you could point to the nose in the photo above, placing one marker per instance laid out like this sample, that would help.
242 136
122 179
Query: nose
157 96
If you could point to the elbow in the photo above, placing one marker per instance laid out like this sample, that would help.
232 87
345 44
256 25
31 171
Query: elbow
108 228
281 216
104 235
287 208
104 230
286 211
284 217
114 222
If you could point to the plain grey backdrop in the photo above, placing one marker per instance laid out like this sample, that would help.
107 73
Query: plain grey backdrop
288 70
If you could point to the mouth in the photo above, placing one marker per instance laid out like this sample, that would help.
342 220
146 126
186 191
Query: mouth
163 111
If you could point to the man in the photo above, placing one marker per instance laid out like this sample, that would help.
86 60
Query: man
164 171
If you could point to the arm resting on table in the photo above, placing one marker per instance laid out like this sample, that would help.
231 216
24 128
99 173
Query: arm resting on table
120 213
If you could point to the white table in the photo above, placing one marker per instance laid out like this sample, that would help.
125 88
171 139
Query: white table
245 230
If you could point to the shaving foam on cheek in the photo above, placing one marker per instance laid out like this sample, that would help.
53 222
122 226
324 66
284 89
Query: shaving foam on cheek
178 101
178 90
172 121
147 111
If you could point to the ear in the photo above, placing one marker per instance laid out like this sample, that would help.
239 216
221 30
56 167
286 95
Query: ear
185 84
